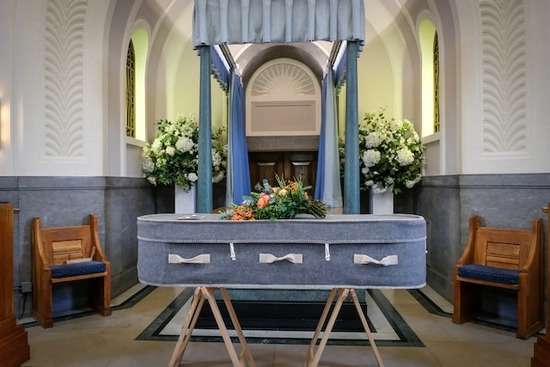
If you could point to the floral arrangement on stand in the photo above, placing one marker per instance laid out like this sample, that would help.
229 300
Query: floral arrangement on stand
285 201
172 158
391 153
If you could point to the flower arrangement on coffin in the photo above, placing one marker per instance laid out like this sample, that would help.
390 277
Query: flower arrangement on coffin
285 201
391 153
172 158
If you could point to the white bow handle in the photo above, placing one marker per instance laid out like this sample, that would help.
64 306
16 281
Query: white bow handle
199 259
361 259
292 258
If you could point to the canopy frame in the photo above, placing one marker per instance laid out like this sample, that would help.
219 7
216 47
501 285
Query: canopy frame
354 37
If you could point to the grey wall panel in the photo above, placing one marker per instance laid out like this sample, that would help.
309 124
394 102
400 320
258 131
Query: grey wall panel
125 200
65 201
447 202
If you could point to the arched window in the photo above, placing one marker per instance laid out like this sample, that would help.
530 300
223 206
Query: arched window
429 50
437 120
131 91
136 63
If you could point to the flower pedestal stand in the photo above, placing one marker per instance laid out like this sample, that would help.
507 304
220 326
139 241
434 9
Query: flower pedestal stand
185 200
381 202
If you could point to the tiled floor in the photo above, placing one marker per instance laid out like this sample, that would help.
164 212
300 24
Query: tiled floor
110 342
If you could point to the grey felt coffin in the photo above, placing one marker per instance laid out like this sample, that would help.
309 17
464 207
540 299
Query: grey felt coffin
360 251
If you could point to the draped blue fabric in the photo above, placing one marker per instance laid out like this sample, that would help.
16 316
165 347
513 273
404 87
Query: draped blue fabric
277 21
340 68
327 183
238 176
219 68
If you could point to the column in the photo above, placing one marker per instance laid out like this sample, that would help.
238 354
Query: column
204 183
351 168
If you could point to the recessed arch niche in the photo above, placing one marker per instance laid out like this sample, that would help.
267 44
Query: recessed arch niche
283 99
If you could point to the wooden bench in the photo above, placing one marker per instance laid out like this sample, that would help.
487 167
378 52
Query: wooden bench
503 258
68 254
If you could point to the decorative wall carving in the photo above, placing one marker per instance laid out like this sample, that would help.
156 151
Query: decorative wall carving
64 78
283 98
283 78
504 80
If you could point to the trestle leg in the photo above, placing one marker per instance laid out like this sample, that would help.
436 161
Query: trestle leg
314 356
201 295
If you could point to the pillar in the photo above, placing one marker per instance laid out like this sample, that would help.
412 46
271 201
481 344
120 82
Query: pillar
204 183
351 168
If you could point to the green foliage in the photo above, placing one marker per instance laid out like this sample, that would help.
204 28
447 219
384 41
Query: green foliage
172 158
391 153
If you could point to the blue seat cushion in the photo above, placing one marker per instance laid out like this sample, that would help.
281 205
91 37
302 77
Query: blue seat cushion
491 274
69 270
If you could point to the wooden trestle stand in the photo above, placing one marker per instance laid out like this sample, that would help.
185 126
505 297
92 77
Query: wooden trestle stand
541 357
245 358
14 347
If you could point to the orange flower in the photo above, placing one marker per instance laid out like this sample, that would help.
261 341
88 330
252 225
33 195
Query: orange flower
242 212
263 201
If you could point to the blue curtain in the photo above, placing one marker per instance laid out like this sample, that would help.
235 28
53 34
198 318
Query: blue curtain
238 175
340 67
220 69
327 184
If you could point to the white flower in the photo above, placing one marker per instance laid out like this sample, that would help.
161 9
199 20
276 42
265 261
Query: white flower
369 183
405 156
171 128
395 125
365 170
371 157
152 180
410 183
156 146
192 177
389 181
170 151
373 140
218 177
379 189
216 158
184 144
148 165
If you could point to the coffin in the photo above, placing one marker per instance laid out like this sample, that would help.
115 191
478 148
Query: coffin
351 251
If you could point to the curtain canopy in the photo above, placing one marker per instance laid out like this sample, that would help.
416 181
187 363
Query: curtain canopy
277 21
327 184
238 173
220 69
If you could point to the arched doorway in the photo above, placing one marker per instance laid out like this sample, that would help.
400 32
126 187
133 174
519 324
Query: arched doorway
283 119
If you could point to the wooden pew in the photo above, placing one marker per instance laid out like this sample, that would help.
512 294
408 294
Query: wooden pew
541 357
510 259
68 254
14 347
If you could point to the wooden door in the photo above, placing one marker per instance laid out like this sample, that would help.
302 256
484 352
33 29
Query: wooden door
288 165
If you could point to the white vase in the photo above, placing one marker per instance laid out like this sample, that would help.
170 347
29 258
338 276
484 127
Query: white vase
185 200
381 202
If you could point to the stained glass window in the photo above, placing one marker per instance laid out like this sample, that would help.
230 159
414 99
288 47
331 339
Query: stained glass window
437 120
131 91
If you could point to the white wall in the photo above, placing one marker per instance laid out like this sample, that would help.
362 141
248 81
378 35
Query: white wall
505 111
7 131
84 136
57 119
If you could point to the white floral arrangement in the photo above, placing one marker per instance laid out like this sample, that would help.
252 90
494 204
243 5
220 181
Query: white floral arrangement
172 158
391 153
